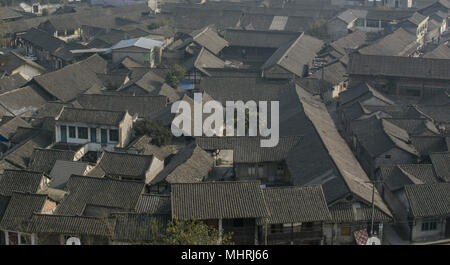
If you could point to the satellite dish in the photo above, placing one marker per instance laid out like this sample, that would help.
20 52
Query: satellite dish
73 241
373 241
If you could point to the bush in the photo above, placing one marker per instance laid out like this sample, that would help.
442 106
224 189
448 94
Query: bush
175 75
156 130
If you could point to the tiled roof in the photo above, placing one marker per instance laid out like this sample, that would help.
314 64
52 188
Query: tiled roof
218 200
399 66
441 165
294 55
347 165
20 208
21 100
436 113
99 191
91 116
42 39
191 164
62 170
346 213
296 204
43 160
72 225
153 204
117 164
67 83
429 200
247 149
8 129
20 181
398 43
256 38
143 106
209 39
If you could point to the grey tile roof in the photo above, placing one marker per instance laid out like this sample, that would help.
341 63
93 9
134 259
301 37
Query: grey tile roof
143 106
233 87
12 82
398 43
293 56
441 165
247 149
153 204
441 52
256 38
4 201
218 200
396 178
9 128
360 93
345 213
91 116
20 208
399 66
10 61
20 181
118 164
378 136
416 127
429 200
191 164
296 204
42 39
351 41
334 73
395 111
20 154
342 157
62 170
428 144
68 82
99 191
43 160
423 172
436 113
72 225
20 100
203 60
209 39
143 146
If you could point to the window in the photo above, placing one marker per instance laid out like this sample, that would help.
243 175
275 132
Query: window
280 170
82 133
113 135
72 132
429 225
252 171
387 156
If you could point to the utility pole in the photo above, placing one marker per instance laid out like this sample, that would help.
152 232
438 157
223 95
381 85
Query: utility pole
373 207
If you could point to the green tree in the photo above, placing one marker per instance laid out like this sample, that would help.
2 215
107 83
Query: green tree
45 12
192 232
175 75
156 130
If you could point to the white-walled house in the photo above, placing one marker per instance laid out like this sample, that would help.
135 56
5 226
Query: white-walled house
100 129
